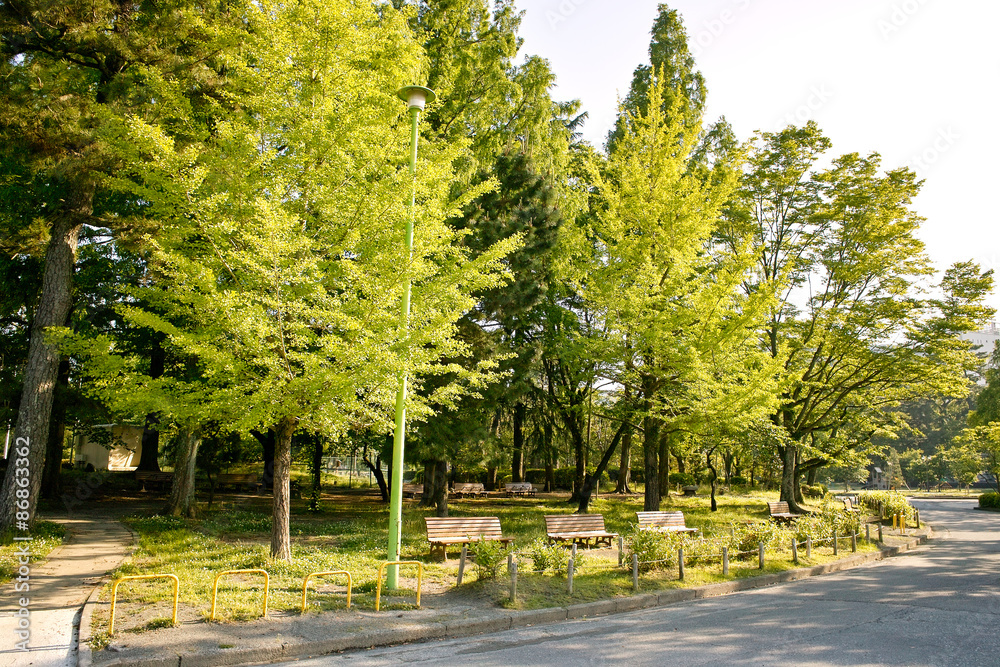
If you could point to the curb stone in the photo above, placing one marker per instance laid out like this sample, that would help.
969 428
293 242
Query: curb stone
464 628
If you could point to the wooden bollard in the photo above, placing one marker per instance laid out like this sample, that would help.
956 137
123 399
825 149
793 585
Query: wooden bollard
725 561
635 572
680 564
835 541
916 517
510 562
854 542
795 551
569 575
880 532
513 582
760 555
621 550
809 547
868 532
573 554
461 563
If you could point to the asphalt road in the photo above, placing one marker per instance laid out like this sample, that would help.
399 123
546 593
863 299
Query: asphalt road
937 605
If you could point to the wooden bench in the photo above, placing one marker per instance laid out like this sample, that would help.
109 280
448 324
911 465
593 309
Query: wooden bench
849 505
519 489
577 529
780 513
413 490
664 522
161 479
474 489
250 480
444 531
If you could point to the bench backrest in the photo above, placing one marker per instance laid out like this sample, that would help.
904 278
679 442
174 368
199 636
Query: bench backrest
848 503
462 526
469 487
517 486
152 476
665 519
780 507
242 477
418 488
574 523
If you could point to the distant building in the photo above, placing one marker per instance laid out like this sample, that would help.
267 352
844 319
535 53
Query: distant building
985 339
123 451
877 479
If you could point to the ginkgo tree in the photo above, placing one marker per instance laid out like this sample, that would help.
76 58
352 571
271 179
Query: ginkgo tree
279 260
675 326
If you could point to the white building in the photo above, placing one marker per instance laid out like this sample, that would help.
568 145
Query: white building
121 453
985 339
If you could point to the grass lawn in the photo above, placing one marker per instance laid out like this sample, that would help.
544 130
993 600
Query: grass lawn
45 536
350 533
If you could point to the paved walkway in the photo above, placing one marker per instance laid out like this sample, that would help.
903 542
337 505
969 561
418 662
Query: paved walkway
95 544
937 605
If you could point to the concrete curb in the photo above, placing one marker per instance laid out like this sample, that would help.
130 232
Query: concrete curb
492 623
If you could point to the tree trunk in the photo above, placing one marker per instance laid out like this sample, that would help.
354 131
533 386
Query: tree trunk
664 461
715 476
625 470
491 478
580 450
517 459
430 484
281 541
550 471
650 450
31 431
149 459
789 456
441 490
591 483
52 473
182 492
376 469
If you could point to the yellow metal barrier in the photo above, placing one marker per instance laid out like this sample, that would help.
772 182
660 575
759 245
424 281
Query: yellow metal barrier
381 572
215 588
305 585
114 594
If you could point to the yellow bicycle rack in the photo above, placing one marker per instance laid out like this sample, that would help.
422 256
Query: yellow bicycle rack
305 584
381 572
215 587
114 594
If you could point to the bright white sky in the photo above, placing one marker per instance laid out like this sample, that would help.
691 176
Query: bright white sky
914 80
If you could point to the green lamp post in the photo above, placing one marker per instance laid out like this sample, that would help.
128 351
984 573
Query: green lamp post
415 97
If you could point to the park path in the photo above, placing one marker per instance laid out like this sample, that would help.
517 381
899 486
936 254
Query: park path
936 605
96 543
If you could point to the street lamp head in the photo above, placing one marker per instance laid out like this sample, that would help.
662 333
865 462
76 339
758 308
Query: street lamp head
416 96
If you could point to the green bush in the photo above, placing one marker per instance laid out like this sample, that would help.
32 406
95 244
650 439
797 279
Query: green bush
885 503
545 556
490 555
747 536
656 551
814 490
989 500
681 479
739 481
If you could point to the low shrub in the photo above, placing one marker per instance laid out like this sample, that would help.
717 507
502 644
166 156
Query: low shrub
681 479
547 557
991 500
490 555
885 503
739 481
656 551
813 490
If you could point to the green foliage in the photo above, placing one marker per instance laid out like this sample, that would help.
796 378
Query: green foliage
748 536
656 550
490 555
990 500
547 557
814 490
885 503
681 479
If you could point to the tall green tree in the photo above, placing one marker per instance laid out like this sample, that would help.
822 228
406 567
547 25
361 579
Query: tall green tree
69 71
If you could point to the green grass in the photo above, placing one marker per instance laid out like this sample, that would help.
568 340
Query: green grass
350 533
45 536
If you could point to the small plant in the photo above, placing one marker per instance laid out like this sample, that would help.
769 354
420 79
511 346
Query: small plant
489 555
545 556
886 503
655 550
747 537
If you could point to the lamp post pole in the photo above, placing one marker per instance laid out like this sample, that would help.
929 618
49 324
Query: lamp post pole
415 97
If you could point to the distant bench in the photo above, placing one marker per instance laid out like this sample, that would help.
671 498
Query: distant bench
779 512
250 480
518 489
577 529
664 522
413 490
445 531
474 489
160 479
